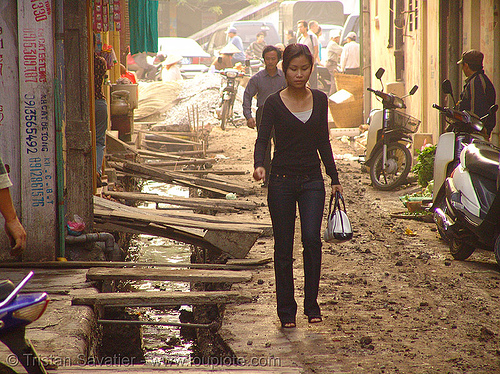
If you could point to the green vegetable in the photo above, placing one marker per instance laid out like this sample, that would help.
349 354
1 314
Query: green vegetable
424 168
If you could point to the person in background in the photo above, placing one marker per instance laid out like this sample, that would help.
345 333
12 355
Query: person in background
281 47
290 37
478 94
234 39
309 38
299 117
318 34
171 71
141 66
349 59
13 228
124 73
263 84
101 113
225 59
254 50
334 51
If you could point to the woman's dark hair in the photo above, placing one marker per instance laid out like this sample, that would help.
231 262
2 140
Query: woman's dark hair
270 48
296 50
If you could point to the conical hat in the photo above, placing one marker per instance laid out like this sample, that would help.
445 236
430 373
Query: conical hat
229 49
172 59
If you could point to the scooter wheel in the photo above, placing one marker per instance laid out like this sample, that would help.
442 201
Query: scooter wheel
460 250
497 250
398 164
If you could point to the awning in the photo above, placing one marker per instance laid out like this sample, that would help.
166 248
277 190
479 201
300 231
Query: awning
143 21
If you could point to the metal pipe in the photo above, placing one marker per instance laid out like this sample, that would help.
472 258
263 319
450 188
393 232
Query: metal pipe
159 323
105 237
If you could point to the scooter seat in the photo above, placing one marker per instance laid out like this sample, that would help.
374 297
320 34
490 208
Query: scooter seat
482 159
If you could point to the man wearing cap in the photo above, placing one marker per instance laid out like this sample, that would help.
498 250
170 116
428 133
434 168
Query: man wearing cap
478 94
349 60
236 40
263 84
334 51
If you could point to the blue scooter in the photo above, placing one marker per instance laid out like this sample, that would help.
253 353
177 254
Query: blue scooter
16 312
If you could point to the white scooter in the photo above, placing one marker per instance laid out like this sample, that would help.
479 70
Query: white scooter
389 136
466 203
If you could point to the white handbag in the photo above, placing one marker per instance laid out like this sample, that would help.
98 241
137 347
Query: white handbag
339 227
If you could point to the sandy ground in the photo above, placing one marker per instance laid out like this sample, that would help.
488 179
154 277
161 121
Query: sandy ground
393 298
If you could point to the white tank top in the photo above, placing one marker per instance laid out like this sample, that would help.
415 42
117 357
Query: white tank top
303 116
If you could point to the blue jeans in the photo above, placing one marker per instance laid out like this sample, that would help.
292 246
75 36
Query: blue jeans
101 125
284 192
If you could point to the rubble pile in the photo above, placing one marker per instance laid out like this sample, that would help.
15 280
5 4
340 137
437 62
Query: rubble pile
202 92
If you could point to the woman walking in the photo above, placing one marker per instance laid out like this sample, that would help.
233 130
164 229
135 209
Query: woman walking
299 117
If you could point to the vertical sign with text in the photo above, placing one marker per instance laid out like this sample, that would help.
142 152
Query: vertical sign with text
36 93
9 102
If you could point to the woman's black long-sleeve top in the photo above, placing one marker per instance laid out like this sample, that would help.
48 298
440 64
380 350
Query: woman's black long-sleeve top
296 143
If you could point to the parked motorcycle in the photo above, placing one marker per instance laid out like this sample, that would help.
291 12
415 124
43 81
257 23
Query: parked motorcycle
389 137
16 312
228 95
466 203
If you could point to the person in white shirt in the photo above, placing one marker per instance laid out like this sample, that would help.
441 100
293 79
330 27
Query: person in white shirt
172 70
309 38
349 60
334 51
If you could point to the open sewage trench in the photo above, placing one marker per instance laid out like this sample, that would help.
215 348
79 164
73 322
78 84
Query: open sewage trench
164 342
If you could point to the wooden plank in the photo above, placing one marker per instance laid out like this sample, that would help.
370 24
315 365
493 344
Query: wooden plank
115 145
115 264
186 180
125 215
163 138
37 128
10 146
174 275
212 171
217 204
108 204
128 366
161 298
249 261
201 161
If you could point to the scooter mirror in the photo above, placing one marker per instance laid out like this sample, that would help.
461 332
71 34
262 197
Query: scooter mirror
379 73
413 90
493 109
446 86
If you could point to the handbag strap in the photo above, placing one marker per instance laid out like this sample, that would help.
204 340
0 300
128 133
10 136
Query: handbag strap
338 199
336 204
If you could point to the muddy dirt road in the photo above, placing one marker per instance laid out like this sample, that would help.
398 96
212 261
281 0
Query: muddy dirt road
393 298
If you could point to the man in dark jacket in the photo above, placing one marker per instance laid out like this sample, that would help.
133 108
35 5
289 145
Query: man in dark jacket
478 94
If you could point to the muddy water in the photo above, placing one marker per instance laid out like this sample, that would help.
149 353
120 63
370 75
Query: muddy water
162 344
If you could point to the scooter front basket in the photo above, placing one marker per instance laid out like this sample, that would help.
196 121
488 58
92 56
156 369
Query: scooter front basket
403 121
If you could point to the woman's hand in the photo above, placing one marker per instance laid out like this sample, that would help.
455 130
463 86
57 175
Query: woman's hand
337 187
259 174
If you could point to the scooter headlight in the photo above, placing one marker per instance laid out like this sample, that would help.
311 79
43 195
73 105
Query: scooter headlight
231 74
32 312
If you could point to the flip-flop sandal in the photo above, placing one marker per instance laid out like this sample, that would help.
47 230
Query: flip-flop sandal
288 325
315 319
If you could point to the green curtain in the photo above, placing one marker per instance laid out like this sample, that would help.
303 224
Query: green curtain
143 21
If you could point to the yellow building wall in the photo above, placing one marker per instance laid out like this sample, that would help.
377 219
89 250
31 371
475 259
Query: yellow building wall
480 30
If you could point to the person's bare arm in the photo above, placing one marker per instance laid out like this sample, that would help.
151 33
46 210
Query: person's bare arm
13 227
